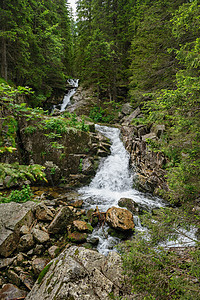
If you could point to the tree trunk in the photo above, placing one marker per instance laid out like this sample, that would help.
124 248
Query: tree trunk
4 72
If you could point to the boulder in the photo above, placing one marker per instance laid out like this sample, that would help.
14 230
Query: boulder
12 217
120 219
149 136
26 242
77 237
82 226
38 265
79 273
40 236
63 218
131 205
10 292
43 213
53 251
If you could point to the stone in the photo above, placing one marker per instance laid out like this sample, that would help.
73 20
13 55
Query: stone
26 242
87 166
131 205
158 130
40 236
10 292
52 171
38 249
43 213
126 109
5 262
120 219
63 218
27 280
127 120
53 251
77 237
82 226
77 203
13 277
38 265
82 274
12 217
150 136
24 230
93 241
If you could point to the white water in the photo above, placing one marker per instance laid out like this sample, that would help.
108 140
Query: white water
71 92
113 181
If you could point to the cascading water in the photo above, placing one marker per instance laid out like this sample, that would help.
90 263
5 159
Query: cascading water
113 181
71 92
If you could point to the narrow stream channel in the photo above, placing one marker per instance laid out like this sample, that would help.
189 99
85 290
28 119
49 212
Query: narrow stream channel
113 180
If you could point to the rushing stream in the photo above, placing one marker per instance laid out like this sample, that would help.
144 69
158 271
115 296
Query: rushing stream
113 180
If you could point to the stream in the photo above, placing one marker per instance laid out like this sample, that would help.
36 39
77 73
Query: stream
114 180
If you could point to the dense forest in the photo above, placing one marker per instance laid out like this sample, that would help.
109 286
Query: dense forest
143 52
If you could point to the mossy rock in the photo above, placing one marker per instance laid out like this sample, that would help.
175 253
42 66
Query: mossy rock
77 237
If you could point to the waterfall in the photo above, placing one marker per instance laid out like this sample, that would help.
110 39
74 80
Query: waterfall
113 181
71 92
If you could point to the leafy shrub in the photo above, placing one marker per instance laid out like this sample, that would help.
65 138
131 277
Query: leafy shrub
18 196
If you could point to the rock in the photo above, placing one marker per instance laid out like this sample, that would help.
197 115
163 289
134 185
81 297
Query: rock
131 205
150 136
38 249
77 203
81 274
27 280
158 130
43 213
26 242
126 108
53 251
38 265
63 218
87 166
40 236
120 219
52 171
24 230
93 219
77 237
93 241
11 292
82 226
13 277
127 120
12 217
5 262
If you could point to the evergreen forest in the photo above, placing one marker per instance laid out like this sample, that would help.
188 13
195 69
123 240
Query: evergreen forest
142 52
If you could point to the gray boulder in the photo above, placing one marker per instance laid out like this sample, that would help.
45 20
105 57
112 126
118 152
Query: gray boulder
78 273
12 217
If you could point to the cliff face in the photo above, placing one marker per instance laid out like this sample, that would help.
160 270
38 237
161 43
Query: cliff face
148 165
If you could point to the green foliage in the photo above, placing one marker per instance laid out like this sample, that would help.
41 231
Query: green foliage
16 172
24 195
98 114
81 165
155 272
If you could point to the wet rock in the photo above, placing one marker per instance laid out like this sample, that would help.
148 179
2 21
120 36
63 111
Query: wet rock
80 273
82 226
77 237
63 218
93 241
77 203
43 213
120 219
40 236
131 205
87 166
53 251
93 219
26 242
38 265
10 292
12 217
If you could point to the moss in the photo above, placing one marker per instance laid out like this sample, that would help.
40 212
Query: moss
90 228
44 272
76 252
